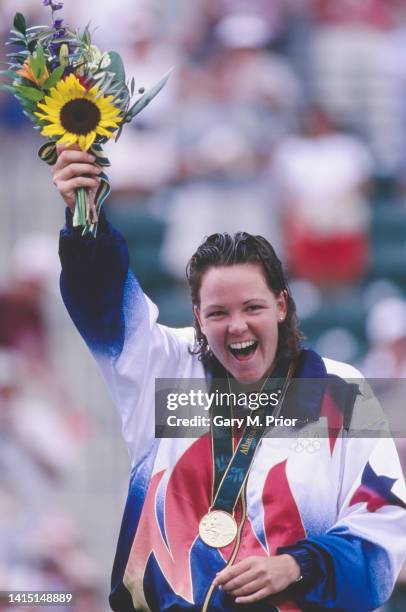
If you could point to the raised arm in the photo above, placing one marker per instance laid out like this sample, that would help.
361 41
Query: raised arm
117 321
94 272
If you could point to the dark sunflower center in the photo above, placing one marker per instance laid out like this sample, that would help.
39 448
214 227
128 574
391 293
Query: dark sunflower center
80 116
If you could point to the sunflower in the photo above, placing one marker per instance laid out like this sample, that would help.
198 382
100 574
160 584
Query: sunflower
77 114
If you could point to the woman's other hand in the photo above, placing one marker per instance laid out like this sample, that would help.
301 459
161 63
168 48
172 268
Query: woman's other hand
75 168
255 578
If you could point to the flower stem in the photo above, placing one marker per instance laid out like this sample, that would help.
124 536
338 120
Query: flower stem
79 216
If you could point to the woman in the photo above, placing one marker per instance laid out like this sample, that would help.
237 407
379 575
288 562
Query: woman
307 527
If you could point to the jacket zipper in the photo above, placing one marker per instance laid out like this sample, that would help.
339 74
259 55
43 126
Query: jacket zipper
231 560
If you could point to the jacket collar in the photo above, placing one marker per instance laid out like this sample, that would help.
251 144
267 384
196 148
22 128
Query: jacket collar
305 398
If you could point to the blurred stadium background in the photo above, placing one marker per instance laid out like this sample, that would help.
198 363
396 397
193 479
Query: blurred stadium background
284 118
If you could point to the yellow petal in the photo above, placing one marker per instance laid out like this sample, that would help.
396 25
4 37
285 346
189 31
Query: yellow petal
52 130
49 116
58 98
108 124
68 139
103 132
90 138
82 142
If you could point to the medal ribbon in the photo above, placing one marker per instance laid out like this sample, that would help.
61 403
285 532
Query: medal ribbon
231 468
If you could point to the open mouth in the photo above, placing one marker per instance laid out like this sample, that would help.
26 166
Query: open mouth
243 350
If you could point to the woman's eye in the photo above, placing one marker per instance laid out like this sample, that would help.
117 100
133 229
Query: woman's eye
216 313
254 307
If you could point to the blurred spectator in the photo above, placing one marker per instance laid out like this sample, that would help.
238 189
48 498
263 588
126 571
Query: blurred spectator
386 359
26 303
36 453
58 553
321 177
353 72
245 102
147 56
386 329
33 271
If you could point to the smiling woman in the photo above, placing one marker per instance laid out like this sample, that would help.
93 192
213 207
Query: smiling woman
234 518
249 264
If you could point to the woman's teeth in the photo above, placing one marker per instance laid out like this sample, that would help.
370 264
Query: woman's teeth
243 349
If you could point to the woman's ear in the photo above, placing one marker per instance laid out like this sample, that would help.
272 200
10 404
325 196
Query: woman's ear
282 305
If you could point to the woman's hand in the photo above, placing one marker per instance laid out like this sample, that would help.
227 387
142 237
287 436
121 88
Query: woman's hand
69 173
255 578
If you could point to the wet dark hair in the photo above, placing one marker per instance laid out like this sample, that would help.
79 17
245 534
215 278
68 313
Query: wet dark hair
227 250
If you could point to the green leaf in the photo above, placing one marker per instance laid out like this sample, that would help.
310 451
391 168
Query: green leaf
19 23
7 87
28 105
19 56
118 134
30 93
37 62
86 39
30 116
31 46
9 74
53 78
16 42
116 66
38 28
16 34
146 98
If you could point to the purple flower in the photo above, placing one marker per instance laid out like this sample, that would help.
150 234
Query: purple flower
55 6
54 47
58 24
59 33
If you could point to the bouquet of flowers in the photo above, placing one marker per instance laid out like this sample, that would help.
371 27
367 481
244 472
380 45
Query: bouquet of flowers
74 94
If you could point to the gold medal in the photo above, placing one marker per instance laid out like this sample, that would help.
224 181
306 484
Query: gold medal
217 528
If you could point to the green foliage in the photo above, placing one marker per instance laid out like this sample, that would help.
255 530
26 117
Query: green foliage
53 78
75 52
64 55
30 93
19 57
10 74
37 62
86 38
31 46
6 87
116 66
19 23
146 98
17 42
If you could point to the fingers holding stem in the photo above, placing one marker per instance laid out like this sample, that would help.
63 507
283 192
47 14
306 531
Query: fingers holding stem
75 169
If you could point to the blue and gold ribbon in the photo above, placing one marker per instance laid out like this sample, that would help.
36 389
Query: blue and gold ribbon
231 468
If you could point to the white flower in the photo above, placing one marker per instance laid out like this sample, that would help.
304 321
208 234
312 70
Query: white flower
96 59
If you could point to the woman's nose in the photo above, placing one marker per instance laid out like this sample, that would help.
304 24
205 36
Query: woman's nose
237 325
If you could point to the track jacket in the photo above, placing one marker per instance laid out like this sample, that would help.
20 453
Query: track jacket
337 503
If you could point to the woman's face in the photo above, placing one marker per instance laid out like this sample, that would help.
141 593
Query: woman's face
239 316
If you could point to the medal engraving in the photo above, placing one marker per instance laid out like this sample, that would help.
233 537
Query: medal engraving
217 529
